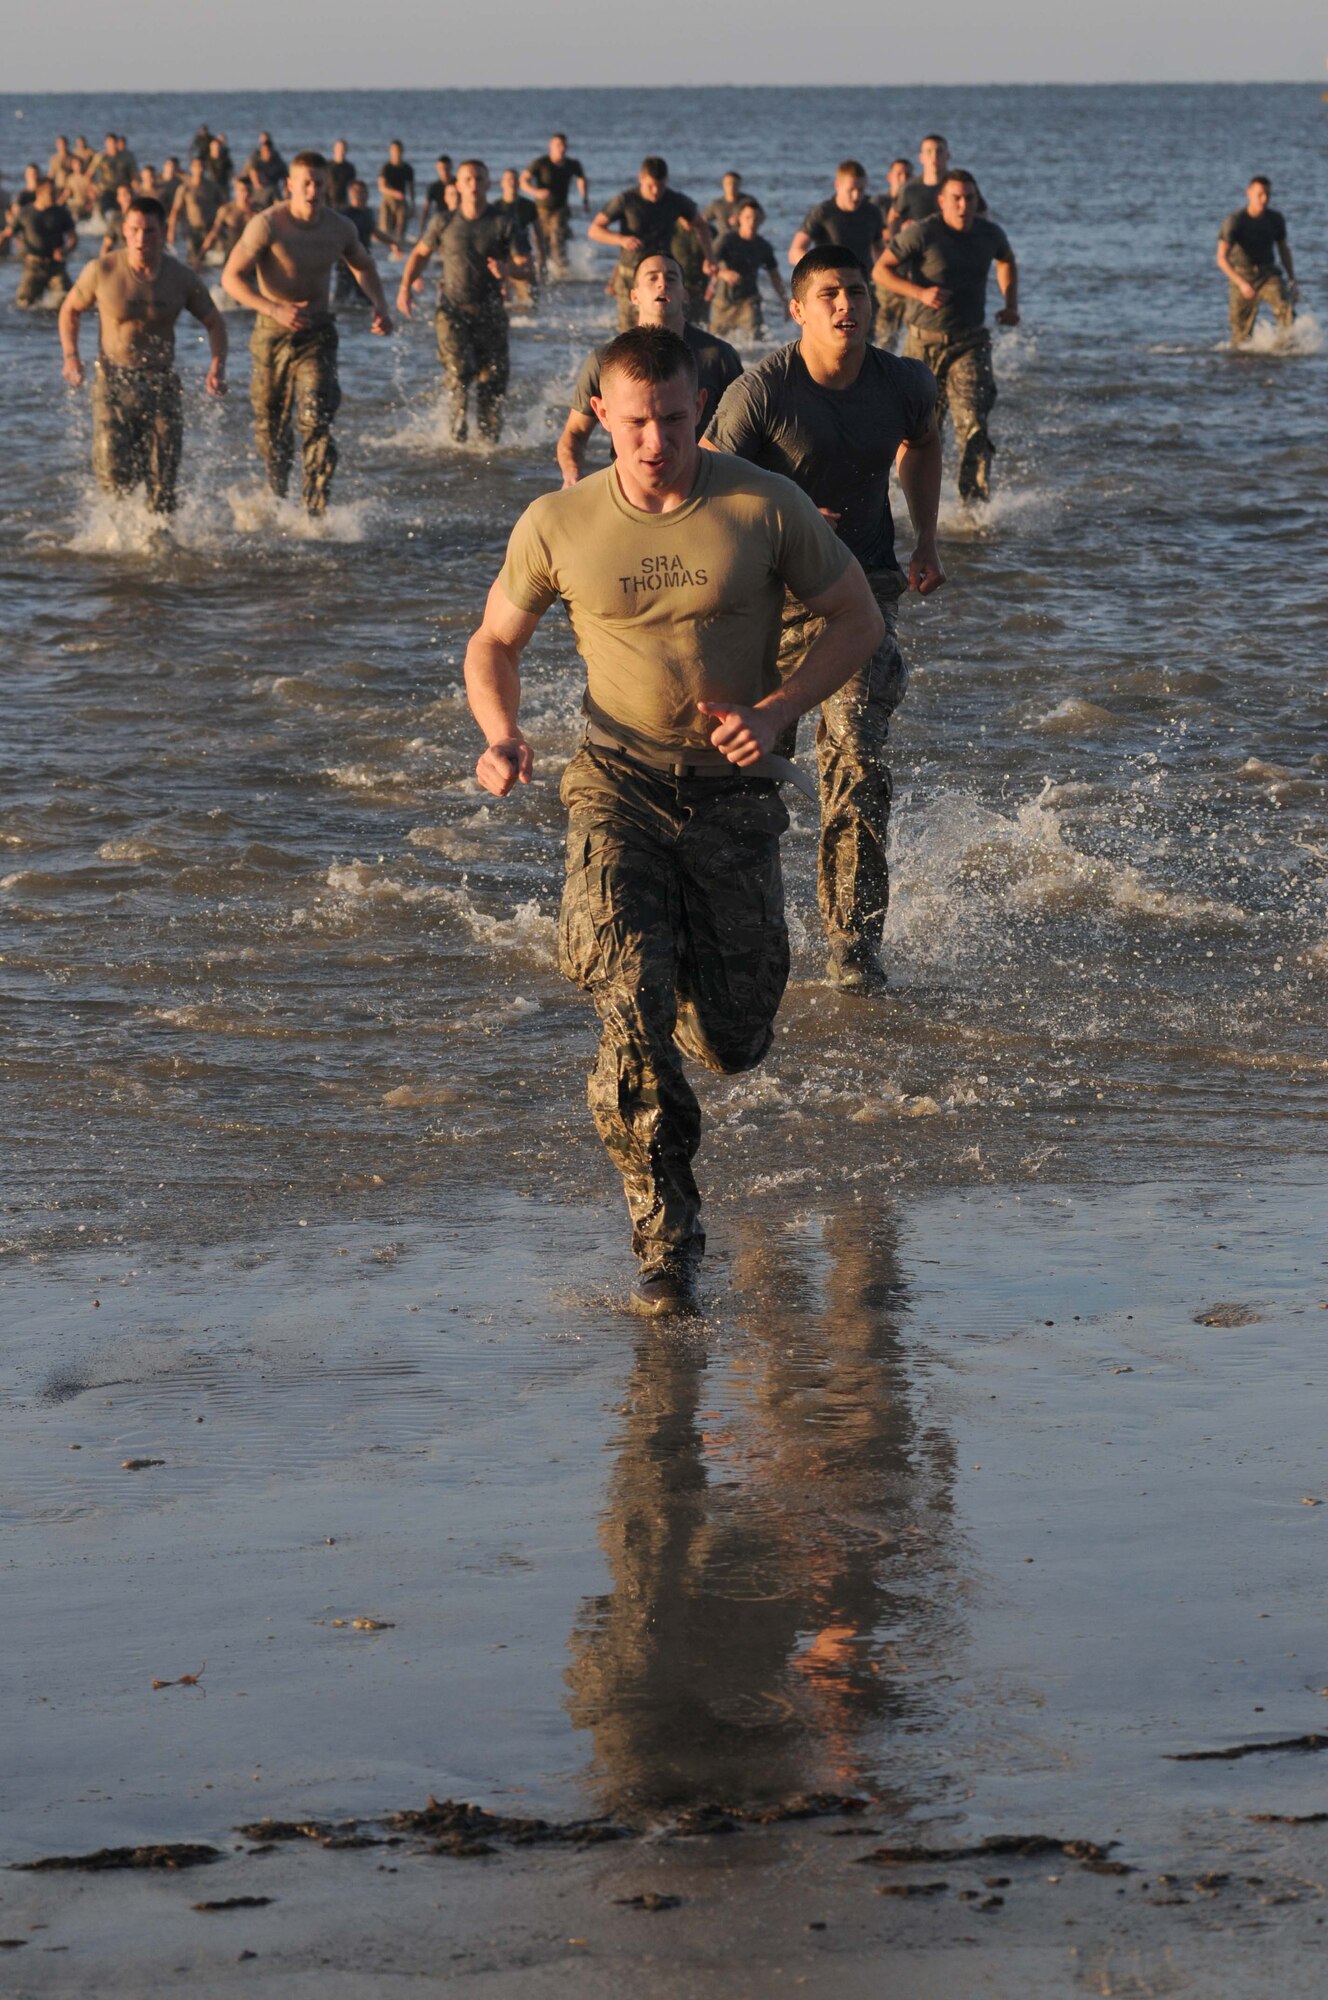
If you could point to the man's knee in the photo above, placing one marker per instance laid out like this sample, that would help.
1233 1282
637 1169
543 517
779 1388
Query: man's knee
727 1047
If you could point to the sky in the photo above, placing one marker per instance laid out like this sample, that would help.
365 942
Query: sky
147 45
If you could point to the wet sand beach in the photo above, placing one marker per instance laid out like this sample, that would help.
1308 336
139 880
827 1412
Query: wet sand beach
985 1501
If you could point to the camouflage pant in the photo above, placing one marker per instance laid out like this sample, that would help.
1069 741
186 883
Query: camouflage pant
472 347
1270 289
551 227
852 871
673 921
38 273
736 318
889 317
966 386
294 383
137 431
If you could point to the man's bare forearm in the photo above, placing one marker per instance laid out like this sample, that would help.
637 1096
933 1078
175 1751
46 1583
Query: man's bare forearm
887 274
845 644
919 469
235 283
493 686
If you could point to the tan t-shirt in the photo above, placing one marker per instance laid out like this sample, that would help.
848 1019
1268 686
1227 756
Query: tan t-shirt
672 609
137 314
295 260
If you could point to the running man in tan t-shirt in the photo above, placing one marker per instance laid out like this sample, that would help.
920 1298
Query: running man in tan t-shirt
672 565
281 269
137 406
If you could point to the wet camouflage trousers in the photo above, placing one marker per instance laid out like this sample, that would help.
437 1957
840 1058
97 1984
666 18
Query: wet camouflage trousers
137 431
852 872
889 317
294 384
966 387
551 227
38 273
673 922
1270 289
736 319
472 347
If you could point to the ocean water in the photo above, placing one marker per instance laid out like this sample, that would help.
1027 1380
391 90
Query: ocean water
266 953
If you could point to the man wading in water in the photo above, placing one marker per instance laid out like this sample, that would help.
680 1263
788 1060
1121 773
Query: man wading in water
137 406
672 565
292 251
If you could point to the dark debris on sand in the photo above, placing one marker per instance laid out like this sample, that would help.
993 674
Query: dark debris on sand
1088 1853
183 1854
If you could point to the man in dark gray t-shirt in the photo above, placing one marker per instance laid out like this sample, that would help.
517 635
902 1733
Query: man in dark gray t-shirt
1249 246
477 248
941 267
834 414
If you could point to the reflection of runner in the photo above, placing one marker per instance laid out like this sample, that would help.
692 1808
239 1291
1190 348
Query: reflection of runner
477 248
656 295
1251 242
746 1645
138 415
281 269
950 255
672 565
834 414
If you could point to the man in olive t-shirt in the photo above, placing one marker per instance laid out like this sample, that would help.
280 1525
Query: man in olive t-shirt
672 566
948 258
1250 243
835 414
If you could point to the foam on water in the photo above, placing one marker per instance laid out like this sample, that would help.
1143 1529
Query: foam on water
529 928
259 511
1305 336
1075 716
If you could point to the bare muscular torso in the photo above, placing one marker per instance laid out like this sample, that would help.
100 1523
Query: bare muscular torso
295 260
137 312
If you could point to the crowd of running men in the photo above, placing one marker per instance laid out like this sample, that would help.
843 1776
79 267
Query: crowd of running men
733 569
296 241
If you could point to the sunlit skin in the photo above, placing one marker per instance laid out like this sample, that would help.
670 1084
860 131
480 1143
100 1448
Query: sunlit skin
145 244
306 195
934 156
1257 199
958 207
897 178
472 185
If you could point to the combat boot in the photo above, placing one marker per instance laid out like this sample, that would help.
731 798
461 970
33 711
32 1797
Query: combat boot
855 968
668 1290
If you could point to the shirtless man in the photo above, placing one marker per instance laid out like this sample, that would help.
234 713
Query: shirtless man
137 408
281 269
646 217
195 210
47 237
657 295
232 219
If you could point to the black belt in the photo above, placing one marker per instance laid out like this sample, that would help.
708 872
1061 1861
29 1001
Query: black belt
778 770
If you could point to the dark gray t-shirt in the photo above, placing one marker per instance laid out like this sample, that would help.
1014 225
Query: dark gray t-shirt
932 253
838 445
717 365
857 229
748 256
653 222
464 249
917 200
1253 239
